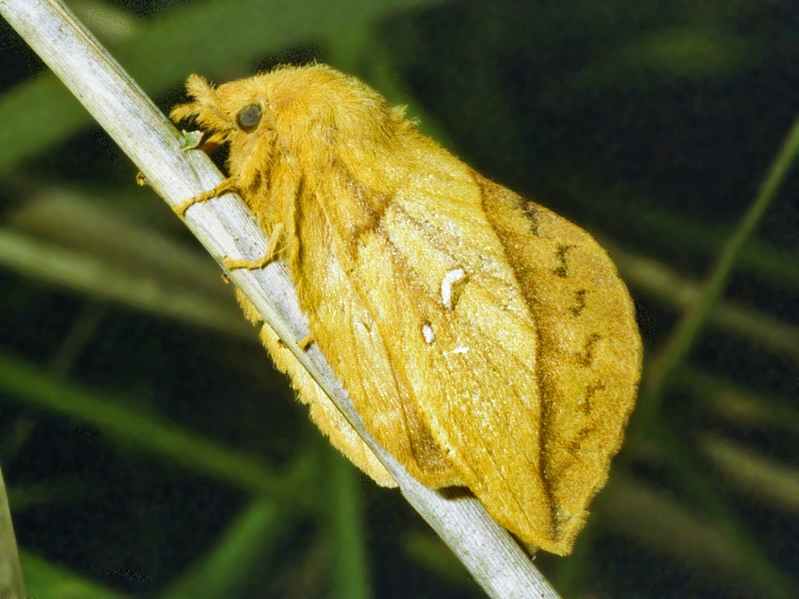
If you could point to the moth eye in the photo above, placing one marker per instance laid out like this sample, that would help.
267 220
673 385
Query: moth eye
248 118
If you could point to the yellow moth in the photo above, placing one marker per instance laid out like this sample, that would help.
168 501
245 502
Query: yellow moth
486 342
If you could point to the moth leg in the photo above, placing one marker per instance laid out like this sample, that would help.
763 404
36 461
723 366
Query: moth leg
224 187
265 260
305 342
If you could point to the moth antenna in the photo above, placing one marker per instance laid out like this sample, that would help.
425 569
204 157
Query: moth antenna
182 112
198 88
204 107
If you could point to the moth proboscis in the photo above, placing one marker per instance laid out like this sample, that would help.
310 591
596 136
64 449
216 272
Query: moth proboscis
485 341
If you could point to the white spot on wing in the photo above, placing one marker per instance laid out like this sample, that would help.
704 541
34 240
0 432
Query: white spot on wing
427 331
452 277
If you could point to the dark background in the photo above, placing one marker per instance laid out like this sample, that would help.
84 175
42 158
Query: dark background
151 450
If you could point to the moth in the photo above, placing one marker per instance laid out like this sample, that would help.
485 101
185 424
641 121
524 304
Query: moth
486 342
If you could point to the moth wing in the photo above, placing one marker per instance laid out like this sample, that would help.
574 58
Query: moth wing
323 411
466 350
478 378
590 348
525 370
348 331
589 361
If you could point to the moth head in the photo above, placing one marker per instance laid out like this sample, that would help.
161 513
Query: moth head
229 113
299 110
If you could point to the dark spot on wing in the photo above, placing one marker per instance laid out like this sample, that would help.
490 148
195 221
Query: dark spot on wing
562 270
530 212
579 302
586 356
590 392
577 441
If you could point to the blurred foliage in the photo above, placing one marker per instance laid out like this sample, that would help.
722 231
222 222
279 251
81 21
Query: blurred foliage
149 448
